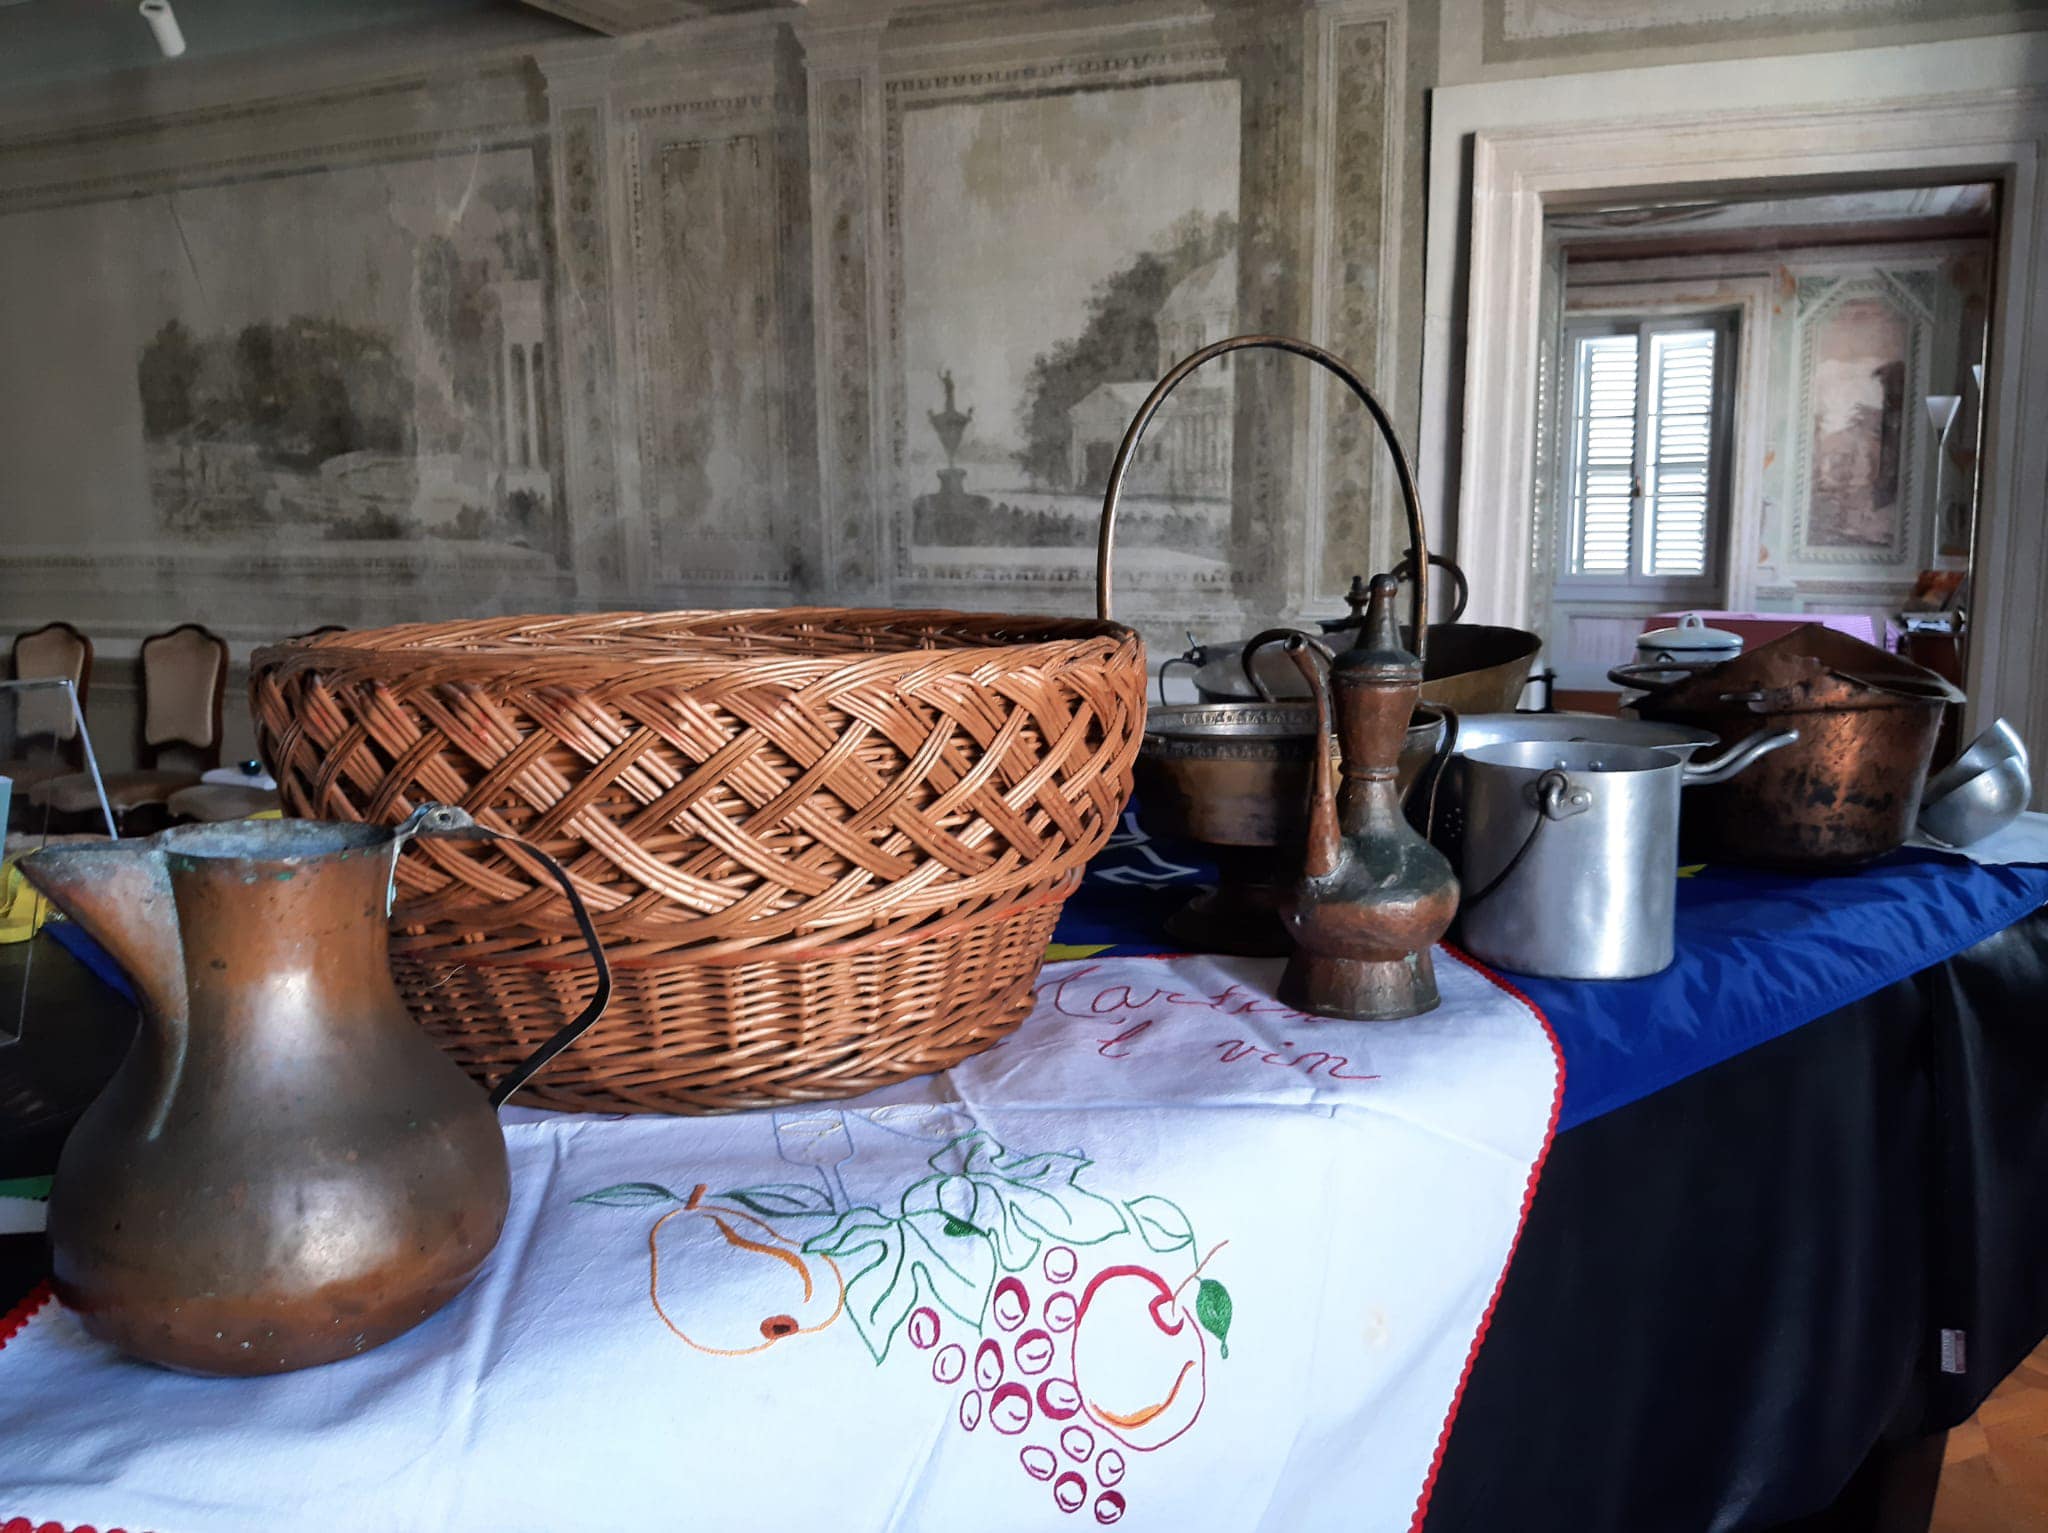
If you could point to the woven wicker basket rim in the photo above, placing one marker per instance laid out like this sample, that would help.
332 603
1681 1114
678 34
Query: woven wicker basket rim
787 953
660 648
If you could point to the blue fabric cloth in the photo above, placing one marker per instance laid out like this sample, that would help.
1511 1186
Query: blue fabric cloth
1758 954
72 938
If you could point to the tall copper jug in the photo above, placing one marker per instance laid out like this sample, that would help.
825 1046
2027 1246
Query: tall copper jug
1373 896
284 1170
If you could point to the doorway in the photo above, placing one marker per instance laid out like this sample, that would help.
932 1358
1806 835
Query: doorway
1763 404
1507 156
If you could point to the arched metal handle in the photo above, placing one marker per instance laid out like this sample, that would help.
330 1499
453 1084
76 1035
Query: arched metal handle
1418 547
1461 588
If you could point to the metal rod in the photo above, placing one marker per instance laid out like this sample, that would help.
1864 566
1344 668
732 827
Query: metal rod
1418 550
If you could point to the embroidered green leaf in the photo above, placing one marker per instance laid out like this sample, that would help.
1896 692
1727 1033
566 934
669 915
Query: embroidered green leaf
1026 1198
1212 1308
891 1261
1160 1223
782 1200
630 1195
959 1227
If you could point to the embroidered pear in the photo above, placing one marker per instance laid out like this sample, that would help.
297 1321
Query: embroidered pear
730 1284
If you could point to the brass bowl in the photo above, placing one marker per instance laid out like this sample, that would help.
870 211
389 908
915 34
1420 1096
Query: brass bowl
1234 777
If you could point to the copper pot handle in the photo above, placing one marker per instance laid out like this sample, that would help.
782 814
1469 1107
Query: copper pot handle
1418 546
1460 586
445 820
1639 674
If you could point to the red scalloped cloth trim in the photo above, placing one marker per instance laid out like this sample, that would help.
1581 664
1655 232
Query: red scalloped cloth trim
10 1323
1443 1440
10 1326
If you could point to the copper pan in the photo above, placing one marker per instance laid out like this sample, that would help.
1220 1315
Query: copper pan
1849 790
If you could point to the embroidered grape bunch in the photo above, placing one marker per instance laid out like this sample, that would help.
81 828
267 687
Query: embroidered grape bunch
979 1268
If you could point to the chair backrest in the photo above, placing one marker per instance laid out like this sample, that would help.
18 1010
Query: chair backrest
53 650
184 676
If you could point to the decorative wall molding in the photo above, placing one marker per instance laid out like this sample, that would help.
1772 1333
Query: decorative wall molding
1356 148
581 132
843 67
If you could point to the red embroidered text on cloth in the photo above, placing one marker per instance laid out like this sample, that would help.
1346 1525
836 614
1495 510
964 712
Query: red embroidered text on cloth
1173 1255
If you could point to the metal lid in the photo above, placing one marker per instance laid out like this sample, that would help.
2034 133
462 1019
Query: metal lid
1692 635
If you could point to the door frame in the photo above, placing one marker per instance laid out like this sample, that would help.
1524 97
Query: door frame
1504 155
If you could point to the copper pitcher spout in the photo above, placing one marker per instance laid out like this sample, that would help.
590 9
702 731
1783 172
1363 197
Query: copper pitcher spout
120 892
1325 838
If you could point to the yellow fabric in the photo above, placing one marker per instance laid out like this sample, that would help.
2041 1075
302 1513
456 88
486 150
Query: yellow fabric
22 910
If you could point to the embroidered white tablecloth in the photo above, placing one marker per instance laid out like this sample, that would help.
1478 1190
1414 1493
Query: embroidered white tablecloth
1172 1255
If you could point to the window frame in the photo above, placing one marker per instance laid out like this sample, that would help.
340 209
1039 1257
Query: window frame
1726 321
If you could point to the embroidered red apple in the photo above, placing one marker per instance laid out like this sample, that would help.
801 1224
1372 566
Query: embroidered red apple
1140 1359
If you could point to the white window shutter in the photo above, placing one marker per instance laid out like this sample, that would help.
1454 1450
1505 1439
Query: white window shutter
1680 443
1603 489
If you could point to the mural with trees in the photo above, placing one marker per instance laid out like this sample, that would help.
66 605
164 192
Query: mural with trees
344 426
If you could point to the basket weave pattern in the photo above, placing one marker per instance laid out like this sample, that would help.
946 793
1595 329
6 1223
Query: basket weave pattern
823 847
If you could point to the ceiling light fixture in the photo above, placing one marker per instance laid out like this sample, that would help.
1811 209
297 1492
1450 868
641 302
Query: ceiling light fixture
169 36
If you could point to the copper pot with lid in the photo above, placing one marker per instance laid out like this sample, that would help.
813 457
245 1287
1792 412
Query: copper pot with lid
1849 790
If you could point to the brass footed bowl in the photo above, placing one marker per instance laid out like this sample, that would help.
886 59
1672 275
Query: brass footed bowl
1234 777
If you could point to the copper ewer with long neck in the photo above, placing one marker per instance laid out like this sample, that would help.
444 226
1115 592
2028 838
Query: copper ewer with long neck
1374 896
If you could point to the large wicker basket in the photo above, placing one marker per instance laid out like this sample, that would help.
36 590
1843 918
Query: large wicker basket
824 847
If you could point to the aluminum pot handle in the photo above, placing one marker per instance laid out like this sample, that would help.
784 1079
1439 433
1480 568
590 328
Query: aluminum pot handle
1418 545
1554 798
1420 804
1259 641
445 820
1735 758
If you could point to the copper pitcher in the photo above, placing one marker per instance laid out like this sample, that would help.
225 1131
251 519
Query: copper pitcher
284 1170
1374 896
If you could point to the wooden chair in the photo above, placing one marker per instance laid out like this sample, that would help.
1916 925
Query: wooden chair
184 677
214 802
45 732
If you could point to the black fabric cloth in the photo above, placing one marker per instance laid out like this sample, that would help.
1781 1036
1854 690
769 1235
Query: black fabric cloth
1730 1292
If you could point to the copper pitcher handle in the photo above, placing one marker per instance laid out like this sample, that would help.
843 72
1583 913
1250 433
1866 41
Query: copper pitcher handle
445 820
1418 545
1259 641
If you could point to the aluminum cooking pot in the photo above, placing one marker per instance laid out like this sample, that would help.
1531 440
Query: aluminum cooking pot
1571 853
1476 731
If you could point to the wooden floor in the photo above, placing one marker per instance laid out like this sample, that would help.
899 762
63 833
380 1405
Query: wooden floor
1995 1476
